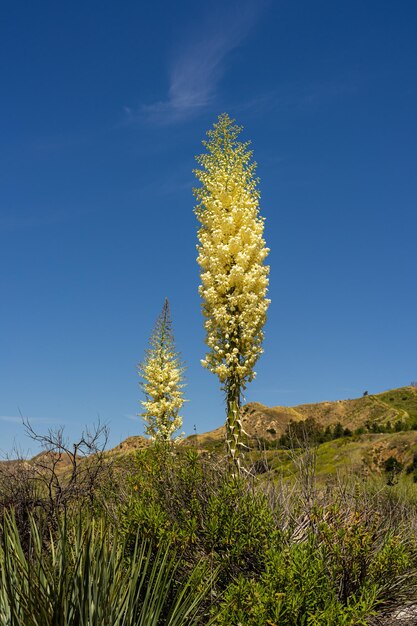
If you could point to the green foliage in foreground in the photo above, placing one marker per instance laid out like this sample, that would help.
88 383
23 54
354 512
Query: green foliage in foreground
294 590
285 556
182 544
178 496
83 578
332 577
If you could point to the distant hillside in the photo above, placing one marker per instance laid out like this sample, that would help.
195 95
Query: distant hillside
367 448
364 454
364 451
269 423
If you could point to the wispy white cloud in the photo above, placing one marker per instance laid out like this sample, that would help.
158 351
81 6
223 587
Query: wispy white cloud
15 419
20 419
201 62
133 418
299 98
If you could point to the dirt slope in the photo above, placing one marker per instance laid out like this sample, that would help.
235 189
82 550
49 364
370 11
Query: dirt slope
270 422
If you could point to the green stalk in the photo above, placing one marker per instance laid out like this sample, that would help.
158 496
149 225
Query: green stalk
234 429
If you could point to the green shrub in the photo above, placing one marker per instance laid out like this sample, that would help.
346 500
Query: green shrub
294 590
392 467
337 568
195 504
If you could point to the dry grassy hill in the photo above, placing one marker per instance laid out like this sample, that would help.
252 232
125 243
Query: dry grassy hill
269 423
396 408
366 451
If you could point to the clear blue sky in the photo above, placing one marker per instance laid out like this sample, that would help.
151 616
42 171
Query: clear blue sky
103 106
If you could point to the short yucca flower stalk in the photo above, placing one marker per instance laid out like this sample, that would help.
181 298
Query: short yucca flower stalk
162 375
234 279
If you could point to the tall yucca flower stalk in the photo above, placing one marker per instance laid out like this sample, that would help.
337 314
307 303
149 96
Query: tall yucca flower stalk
162 375
234 279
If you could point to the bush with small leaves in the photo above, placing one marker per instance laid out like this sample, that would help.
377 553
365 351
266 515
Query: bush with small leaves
192 501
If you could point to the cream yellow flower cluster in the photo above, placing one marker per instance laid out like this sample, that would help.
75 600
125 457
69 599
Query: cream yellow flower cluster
231 254
162 381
